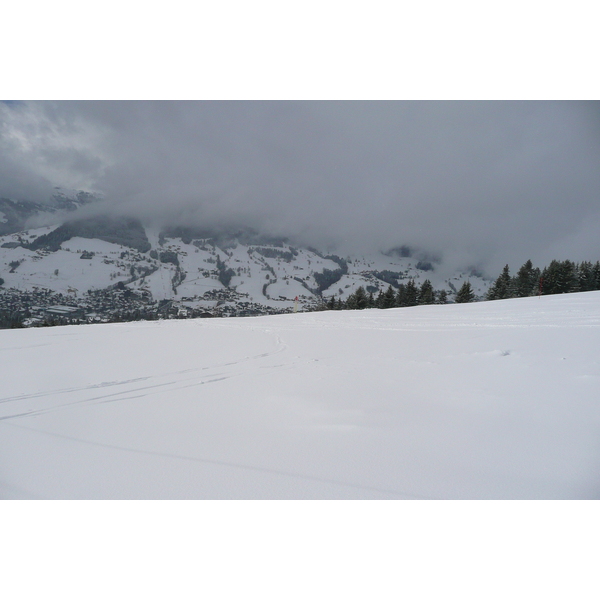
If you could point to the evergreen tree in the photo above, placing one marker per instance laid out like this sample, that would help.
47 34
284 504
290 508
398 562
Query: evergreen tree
503 286
426 293
412 293
560 277
571 276
442 297
350 303
535 281
586 277
552 280
370 300
401 295
525 282
596 275
362 300
389 298
465 294
358 300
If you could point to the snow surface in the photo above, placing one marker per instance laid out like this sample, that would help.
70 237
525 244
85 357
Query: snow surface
487 400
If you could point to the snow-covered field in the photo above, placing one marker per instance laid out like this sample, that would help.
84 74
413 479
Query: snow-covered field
488 400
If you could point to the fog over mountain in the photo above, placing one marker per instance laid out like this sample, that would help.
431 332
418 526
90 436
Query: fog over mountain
481 183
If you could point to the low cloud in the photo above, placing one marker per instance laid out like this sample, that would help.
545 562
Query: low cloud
483 183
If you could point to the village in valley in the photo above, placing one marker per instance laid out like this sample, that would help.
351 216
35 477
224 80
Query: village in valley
43 308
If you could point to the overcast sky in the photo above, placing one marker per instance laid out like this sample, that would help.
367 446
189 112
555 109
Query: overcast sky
483 183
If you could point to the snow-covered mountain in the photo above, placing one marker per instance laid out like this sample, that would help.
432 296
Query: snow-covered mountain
15 214
202 268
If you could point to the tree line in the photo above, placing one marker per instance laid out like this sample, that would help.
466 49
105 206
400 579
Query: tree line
409 294
559 277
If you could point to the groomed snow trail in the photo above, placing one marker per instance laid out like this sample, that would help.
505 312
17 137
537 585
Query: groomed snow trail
488 400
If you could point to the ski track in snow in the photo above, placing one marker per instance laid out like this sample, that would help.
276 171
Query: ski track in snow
247 467
172 385
450 373
213 378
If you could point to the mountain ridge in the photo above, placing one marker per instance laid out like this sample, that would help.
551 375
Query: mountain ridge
200 268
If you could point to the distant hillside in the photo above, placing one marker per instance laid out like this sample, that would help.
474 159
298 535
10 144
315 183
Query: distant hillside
123 231
206 268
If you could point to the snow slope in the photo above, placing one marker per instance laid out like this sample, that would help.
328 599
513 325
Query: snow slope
488 400
269 275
